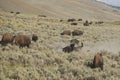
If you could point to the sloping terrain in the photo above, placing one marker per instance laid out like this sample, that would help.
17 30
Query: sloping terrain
45 60
86 9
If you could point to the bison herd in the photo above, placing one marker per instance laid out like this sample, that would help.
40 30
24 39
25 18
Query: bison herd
20 40
25 41
73 33
98 59
73 42
73 21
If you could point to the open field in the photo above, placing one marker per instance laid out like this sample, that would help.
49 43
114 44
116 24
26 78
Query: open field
86 9
45 60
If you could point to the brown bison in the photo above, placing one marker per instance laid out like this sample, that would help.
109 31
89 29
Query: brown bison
86 23
34 37
71 20
77 33
99 22
7 38
90 22
17 12
74 23
98 61
66 32
79 19
74 41
69 49
22 40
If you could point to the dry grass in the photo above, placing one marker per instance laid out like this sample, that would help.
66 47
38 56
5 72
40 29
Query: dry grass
44 60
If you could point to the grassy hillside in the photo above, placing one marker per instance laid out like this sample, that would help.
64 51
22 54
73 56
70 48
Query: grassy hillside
86 9
45 60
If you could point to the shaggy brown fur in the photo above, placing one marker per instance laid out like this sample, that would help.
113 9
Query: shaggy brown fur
77 33
34 37
66 32
22 40
7 38
98 61
74 41
69 49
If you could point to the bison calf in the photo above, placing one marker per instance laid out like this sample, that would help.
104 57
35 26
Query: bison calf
7 38
98 61
22 40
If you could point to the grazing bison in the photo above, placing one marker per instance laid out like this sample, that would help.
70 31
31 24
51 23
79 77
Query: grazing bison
74 41
90 22
34 37
42 16
61 20
98 61
69 49
7 38
71 20
22 40
17 12
99 22
77 33
74 23
66 32
11 12
86 23
79 19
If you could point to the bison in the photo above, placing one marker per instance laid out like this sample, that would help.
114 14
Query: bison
7 38
79 19
34 37
99 22
66 32
74 41
22 40
17 12
69 49
90 22
86 23
71 20
74 23
77 33
98 61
